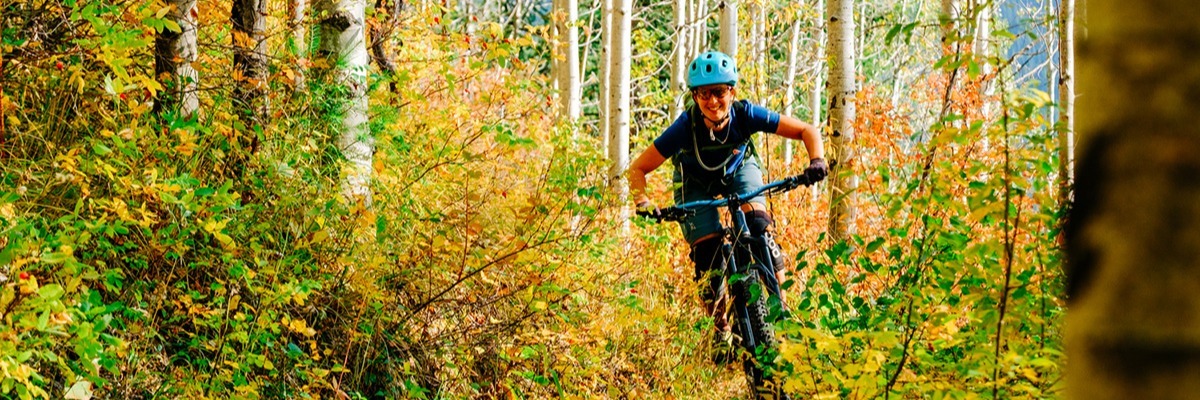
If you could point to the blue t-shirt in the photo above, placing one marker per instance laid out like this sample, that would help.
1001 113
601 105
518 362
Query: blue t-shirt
692 148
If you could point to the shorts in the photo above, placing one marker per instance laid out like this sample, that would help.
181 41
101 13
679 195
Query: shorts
748 177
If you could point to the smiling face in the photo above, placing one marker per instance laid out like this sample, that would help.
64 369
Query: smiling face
714 102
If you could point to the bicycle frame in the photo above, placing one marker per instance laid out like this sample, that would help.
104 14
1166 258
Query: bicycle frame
744 245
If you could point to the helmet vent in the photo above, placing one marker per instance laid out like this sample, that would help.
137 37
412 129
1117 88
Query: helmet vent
708 68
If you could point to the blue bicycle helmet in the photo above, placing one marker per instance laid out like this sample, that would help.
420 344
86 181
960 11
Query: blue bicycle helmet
711 68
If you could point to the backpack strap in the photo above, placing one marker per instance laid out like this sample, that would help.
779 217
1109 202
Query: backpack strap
739 108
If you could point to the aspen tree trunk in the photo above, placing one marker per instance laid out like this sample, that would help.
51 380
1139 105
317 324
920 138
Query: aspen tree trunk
843 181
758 56
343 42
606 60
679 65
174 53
1133 237
618 149
1066 95
948 19
818 72
983 27
981 48
556 53
789 86
249 19
818 64
729 28
568 77
299 45
701 43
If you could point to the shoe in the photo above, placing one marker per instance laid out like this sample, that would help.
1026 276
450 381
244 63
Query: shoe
723 350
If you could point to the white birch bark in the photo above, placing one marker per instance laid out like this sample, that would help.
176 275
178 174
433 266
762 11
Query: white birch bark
982 50
557 56
948 19
1066 95
679 64
843 181
174 54
701 12
789 86
569 78
618 149
606 60
729 28
343 40
818 73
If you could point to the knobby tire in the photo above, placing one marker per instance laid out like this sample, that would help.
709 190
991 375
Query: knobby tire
763 333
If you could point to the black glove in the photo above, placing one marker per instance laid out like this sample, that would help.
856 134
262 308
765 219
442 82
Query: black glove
816 171
648 209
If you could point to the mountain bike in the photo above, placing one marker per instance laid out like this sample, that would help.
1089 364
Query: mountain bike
749 270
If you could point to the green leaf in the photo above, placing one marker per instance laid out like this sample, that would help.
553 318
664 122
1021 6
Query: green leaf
101 149
50 292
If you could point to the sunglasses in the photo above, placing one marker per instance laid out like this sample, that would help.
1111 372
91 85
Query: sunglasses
707 94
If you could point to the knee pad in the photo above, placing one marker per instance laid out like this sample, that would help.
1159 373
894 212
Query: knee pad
710 257
759 221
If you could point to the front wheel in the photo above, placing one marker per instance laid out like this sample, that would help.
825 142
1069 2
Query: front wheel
760 343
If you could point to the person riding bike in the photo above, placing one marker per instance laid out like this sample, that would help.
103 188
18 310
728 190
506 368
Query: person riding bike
710 146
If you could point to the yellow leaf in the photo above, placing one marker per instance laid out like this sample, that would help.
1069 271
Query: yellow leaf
187 142
150 84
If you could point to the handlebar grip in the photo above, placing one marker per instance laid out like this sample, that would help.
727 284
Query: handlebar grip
666 214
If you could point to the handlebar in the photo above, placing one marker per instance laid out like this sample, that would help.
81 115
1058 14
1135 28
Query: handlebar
680 212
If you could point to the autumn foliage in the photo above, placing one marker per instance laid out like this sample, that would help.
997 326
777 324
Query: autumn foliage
152 255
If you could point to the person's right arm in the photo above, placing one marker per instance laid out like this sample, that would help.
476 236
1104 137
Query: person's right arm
647 162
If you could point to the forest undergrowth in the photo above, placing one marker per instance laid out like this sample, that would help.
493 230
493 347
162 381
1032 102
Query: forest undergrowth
145 255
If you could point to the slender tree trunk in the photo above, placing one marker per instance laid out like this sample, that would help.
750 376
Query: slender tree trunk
948 19
818 65
296 11
174 53
343 42
789 85
982 50
701 17
606 60
818 72
729 28
1133 237
618 149
249 19
568 74
679 66
843 181
1066 95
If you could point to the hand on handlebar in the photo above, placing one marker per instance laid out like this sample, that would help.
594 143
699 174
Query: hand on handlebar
816 171
648 209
